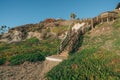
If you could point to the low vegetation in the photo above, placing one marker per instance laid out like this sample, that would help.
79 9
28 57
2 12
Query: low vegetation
30 47
21 58
2 61
60 29
99 58
116 25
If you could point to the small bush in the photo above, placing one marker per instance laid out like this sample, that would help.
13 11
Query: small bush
2 61
21 58
60 29
33 40
116 24
3 46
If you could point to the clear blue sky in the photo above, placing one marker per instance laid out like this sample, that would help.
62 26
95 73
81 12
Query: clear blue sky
19 12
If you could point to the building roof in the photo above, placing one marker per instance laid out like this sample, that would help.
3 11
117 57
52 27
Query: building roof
112 12
118 6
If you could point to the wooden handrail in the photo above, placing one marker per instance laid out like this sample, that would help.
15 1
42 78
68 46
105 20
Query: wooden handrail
91 23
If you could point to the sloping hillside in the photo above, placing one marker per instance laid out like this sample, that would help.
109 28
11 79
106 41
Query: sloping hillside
27 46
97 59
49 28
41 38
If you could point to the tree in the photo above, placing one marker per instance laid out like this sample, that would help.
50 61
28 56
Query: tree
78 18
3 29
73 15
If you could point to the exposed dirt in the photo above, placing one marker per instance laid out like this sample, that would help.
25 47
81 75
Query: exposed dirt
26 71
105 29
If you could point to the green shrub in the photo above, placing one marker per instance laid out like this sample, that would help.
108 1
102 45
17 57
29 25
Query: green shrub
116 24
49 47
45 47
86 65
21 58
33 40
3 46
2 61
60 29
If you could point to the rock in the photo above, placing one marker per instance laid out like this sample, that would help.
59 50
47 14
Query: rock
34 34
16 36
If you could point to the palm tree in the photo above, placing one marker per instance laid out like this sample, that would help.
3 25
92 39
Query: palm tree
3 29
73 15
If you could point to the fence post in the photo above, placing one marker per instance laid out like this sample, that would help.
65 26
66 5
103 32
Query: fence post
92 23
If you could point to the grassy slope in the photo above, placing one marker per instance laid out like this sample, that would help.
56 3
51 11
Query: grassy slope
30 46
46 47
98 59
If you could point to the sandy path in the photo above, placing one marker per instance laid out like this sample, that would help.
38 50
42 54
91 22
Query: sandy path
27 71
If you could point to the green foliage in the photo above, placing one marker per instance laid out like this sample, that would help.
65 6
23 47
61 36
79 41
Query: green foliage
117 42
49 47
119 15
60 29
2 61
116 24
99 58
73 15
21 58
86 65
33 41
3 29
3 46
46 47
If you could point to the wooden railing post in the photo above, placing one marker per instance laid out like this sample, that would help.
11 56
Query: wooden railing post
70 40
92 23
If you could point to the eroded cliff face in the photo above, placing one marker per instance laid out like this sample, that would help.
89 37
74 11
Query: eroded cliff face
17 36
41 31
14 36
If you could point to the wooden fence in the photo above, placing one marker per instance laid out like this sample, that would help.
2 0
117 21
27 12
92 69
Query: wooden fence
71 40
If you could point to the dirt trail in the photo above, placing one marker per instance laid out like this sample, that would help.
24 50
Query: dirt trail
31 70
27 71
47 65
